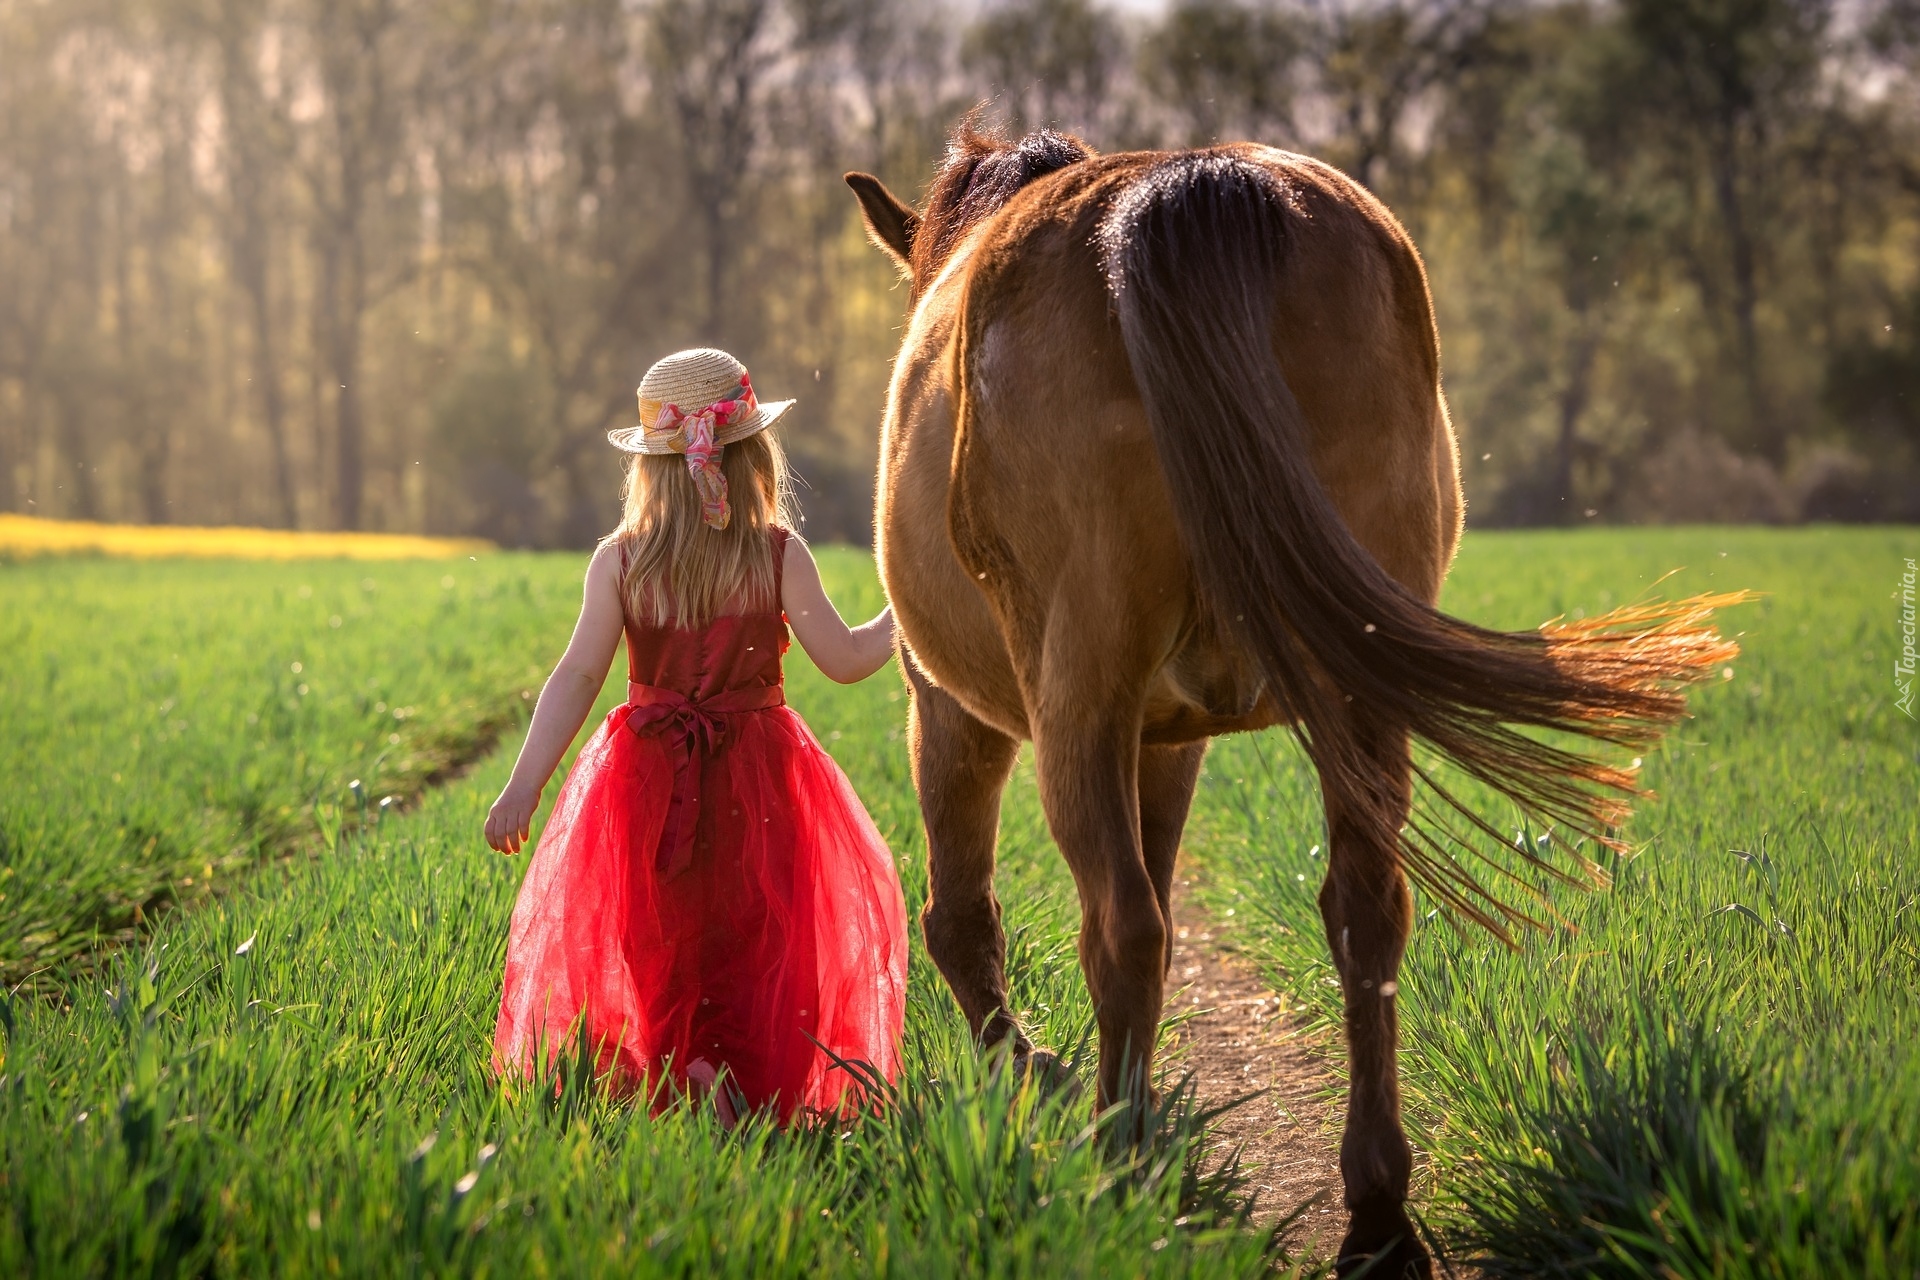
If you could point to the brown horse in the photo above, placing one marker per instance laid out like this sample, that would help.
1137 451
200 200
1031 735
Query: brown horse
1166 457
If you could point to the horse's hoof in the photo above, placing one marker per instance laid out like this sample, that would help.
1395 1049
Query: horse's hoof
1383 1246
1047 1070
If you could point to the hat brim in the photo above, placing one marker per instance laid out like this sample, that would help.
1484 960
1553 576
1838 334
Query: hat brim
634 439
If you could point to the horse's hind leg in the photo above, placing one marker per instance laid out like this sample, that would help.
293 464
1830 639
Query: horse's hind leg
1167 777
959 768
1367 908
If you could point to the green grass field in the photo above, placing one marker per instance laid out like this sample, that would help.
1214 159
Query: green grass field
165 724
291 1077
1713 1076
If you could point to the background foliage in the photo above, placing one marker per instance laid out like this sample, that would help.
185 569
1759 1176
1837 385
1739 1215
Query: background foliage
371 264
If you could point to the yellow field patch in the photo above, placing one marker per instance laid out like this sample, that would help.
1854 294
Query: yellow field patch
29 535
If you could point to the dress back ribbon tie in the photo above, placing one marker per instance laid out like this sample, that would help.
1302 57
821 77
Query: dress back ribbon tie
700 727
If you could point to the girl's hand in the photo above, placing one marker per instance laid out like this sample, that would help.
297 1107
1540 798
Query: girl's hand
844 654
510 821
564 702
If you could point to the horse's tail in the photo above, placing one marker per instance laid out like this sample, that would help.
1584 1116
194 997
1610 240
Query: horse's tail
1192 251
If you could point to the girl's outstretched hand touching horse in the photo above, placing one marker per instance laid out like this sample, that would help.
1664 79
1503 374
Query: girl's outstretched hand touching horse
843 654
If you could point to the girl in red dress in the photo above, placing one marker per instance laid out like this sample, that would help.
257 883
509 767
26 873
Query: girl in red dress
709 902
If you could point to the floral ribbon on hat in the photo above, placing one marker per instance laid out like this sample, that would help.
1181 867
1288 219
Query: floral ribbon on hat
693 434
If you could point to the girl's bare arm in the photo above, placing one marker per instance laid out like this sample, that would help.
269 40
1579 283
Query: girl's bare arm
843 653
564 703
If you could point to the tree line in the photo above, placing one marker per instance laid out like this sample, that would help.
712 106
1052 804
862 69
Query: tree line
398 264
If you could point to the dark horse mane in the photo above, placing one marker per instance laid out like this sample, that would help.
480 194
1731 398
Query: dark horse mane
983 170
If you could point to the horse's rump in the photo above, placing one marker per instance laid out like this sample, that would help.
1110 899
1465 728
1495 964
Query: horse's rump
1053 449
1218 370
1191 252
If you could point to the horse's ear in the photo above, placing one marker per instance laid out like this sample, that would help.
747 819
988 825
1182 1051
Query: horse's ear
890 224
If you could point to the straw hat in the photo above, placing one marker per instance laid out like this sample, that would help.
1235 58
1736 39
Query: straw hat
688 384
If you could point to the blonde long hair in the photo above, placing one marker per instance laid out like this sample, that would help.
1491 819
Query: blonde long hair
682 573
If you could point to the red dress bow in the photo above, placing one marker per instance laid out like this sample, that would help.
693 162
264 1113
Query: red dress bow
702 729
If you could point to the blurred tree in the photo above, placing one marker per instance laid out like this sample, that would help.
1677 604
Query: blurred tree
258 137
352 160
483 447
1715 88
1051 62
1562 179
559 200
1226 70
54 169
711 60
1377 61
1873 387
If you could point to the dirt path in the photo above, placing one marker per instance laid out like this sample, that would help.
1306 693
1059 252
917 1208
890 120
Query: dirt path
1242 1038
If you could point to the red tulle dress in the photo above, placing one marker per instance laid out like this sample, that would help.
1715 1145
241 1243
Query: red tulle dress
709 889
